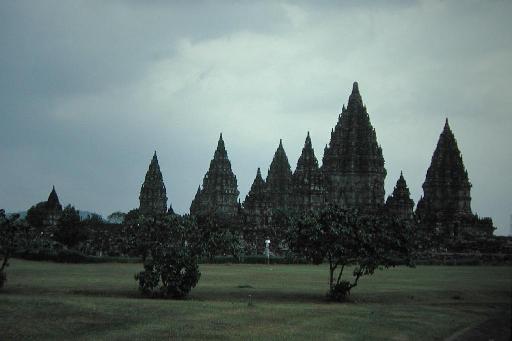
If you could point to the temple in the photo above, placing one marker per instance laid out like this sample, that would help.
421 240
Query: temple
353 165
352 176
53 208
153 198
308 181
220 190
256 204
399 203
446 201
279 181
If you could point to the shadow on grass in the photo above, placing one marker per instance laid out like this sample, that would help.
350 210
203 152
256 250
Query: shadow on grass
242 292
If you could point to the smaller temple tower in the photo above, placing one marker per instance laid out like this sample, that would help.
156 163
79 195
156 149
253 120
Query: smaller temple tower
256 202
220 190
446 188
400 203
446 201
53 208
153 198
307 181
279 179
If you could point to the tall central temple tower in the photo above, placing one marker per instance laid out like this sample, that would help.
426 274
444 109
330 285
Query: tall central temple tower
353 164
220 191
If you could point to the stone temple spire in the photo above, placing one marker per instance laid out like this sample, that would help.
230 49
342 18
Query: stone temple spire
257 192
279 180
220 189
53 202
446 202
256 201
400 203
446 188
353 164
153 198
307 180
53 208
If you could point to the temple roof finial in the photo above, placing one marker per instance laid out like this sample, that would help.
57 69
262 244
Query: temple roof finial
355 88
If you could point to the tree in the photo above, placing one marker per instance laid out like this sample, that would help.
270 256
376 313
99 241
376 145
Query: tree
174 245
348 237
37 215
139 233
8 231
116 217
69 230
222 235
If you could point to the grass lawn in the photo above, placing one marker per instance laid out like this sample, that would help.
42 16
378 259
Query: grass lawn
44 300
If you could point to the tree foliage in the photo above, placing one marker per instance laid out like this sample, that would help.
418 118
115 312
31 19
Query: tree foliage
348 237
8 231
116 217
69 229
173 245
221 235
37 215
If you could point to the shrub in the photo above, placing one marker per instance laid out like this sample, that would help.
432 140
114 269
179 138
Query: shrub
169 275
340 291
173 245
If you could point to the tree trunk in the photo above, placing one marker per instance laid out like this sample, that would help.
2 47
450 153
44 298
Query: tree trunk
4 263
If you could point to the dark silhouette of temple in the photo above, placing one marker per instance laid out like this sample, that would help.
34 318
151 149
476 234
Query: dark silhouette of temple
446 202
308 184
399 203
53 208
220 191
153 198
353 164
352 176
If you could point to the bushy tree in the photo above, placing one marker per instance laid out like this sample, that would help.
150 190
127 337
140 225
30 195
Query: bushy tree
348 237
221 234
8 231
139 232
116 217
69 231
37 214
174 246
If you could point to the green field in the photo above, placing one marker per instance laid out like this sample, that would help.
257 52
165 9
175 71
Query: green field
44 300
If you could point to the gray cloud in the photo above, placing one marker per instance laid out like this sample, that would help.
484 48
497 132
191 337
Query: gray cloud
89 90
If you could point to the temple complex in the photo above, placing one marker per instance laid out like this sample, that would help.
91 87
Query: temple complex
352 176
446 201
399 203
307 181
220 191
353 165
153 198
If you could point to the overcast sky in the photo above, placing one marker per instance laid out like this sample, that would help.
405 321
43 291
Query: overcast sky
89 89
